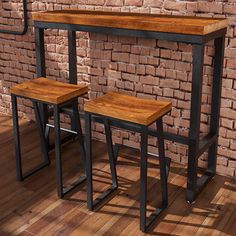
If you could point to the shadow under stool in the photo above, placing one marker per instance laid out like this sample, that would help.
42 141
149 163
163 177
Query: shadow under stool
43 91
119 109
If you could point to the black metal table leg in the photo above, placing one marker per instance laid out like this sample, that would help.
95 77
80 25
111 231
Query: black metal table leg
41 72
16 137
40 52
72 68
215 101
194 132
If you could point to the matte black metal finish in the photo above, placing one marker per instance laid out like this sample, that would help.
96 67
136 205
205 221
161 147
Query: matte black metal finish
46 162
90 202
216 98
72 57
41 132
196 146
61 190
110 152
145 222
194 132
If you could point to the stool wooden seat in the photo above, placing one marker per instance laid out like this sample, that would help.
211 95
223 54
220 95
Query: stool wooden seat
49 91
43 92
119 109
128 108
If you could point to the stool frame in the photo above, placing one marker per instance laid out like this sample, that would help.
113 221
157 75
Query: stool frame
61 191
145 222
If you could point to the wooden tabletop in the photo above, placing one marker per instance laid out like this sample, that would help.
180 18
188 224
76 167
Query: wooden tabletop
135 21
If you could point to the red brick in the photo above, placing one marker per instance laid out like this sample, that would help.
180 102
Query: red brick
114 2
123 57
136 3
153 3
230 9
176 6
149 80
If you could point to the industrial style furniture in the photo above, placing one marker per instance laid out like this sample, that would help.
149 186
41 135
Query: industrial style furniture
50 92
141 113
196 31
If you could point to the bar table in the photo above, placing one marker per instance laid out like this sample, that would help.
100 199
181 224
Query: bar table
196 31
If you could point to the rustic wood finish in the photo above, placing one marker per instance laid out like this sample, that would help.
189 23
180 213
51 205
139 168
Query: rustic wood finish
49 91
135 21
128 108
32 207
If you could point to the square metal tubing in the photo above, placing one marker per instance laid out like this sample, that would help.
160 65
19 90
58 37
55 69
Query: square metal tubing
195 145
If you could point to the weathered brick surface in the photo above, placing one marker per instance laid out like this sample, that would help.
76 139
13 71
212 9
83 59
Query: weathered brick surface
136 66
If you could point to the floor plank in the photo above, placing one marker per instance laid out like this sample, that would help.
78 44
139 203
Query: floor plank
32 207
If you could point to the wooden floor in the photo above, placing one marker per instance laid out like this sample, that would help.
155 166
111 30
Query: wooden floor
32 207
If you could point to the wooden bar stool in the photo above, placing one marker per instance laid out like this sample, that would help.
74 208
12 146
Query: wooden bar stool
140 113
44 91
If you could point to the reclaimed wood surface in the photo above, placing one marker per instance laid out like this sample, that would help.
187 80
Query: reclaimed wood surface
134 21
49 91
128 108
33 208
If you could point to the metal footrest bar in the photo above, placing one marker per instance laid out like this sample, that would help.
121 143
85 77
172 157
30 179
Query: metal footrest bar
103 196
63 129
152 218
206 142
73 185
34 170
201 183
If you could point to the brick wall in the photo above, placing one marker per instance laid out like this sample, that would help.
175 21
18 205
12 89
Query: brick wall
136 66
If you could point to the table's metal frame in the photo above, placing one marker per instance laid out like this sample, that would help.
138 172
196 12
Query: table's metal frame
196 145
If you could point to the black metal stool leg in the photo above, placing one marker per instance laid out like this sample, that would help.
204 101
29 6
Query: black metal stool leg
164 167
16 137
58 152
116 152
41 132
145 222
73 115
90 202
143 177
78 130
20 175
111 153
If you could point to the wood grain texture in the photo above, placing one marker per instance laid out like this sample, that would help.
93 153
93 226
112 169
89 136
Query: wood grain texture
33 208
135 21
49 91
128 108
